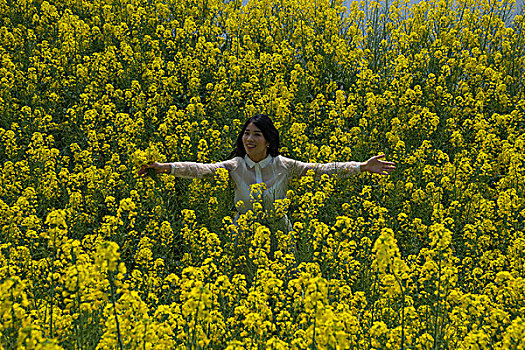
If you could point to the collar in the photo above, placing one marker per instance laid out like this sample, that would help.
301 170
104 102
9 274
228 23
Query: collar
263 163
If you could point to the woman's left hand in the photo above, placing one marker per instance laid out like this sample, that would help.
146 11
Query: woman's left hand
375 165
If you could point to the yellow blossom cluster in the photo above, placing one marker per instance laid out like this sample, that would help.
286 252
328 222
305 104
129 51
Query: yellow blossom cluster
93 256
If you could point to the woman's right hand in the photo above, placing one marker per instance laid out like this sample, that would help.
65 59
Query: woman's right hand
157 167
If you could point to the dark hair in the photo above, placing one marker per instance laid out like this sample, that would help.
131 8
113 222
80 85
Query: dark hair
270 133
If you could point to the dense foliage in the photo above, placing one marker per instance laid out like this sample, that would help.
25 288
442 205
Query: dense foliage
93 256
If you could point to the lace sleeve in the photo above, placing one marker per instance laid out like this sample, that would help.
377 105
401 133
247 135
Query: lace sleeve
191 170
298 168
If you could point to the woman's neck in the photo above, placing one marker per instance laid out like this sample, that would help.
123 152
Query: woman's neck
258 158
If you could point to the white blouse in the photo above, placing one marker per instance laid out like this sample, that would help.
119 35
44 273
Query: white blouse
275 172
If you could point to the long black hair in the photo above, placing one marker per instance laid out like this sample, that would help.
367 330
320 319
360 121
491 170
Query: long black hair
270 133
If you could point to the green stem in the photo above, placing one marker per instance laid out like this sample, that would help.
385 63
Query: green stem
194 333
402 311
436 342
112 288
314 346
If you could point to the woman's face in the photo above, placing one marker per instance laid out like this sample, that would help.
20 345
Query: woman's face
254 143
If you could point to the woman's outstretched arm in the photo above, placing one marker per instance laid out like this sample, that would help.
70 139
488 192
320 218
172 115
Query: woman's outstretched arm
372 165
187 170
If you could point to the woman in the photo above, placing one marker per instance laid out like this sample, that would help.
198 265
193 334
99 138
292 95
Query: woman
256 159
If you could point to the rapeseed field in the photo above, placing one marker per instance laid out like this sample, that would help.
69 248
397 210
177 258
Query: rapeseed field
93 256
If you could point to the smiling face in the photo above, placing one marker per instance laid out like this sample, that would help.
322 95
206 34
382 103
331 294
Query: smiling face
254 143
